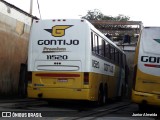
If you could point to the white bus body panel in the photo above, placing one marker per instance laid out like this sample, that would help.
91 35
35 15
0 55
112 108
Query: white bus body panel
149 54
58 56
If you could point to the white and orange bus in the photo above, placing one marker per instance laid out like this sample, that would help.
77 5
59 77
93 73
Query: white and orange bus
146 87
71 59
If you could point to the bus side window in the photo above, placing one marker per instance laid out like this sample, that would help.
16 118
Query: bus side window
124 60
107 50
116 56
96 44
101 46
92 42
120 59
112 51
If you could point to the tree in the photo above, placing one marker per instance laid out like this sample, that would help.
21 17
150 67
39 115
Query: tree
98 15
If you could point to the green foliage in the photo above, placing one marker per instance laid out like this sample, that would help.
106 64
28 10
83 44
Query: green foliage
116 35
98 15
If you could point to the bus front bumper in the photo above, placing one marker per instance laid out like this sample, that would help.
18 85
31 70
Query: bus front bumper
149 98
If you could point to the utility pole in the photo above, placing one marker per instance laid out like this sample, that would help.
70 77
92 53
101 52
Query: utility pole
31 6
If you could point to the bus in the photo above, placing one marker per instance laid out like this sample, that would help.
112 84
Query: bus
69 59
146 80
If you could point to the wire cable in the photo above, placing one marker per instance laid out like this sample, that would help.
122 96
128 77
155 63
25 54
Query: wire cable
39 9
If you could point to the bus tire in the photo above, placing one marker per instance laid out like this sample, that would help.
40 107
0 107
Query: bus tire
102 96
105 94
99 101
142 106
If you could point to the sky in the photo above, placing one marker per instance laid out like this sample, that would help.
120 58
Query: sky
138 10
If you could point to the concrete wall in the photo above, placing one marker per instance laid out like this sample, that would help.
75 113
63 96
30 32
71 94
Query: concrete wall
130 61
129 50
14 35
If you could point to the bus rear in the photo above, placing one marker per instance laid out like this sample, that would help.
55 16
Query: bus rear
146 88
57 58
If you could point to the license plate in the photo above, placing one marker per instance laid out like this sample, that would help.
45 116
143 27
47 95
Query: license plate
62 80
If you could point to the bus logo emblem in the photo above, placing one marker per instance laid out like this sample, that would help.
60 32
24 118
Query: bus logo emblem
58 30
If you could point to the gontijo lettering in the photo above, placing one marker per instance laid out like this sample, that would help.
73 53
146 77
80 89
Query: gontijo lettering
150 59
58 42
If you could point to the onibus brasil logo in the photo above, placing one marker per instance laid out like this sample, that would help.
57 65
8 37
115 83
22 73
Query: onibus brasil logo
58 30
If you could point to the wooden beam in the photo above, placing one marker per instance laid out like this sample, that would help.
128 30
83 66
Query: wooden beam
120 32
106 22
119 29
